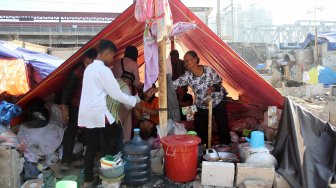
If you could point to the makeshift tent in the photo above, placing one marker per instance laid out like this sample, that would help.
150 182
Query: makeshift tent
238 76
22 69
305 148
324 37
321 74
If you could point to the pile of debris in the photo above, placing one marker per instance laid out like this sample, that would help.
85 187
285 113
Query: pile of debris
319 105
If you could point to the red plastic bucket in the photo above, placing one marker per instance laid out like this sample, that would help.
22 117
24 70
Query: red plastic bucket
181 157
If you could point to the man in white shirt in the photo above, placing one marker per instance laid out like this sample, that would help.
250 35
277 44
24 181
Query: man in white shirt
98 82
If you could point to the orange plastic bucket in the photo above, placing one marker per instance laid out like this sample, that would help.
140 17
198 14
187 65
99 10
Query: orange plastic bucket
181 157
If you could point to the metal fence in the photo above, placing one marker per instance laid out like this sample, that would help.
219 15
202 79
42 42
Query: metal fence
50 29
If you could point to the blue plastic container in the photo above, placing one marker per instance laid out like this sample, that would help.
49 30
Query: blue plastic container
136 154
257 139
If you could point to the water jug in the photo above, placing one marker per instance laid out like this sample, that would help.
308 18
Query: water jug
137 158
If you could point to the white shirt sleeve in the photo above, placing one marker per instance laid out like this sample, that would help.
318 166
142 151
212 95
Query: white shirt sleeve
112 88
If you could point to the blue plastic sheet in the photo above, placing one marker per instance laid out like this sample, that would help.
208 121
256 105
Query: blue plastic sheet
324 37
43 64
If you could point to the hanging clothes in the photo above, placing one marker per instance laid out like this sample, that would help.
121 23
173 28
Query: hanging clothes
164 19
182 27
144 10
151 55
151 48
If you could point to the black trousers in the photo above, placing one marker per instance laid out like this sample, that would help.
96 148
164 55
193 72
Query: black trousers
201 123
70 134
107 141
111 139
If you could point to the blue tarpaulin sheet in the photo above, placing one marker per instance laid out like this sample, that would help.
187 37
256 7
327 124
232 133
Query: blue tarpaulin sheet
325 37
43 64
260 66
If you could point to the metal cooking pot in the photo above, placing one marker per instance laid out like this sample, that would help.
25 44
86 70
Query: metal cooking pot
220 156
222 148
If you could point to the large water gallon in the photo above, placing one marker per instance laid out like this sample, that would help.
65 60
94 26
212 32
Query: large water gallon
137 158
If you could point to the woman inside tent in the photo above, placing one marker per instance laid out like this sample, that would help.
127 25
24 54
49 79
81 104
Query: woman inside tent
206 84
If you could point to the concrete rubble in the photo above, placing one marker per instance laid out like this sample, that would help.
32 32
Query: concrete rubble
315 98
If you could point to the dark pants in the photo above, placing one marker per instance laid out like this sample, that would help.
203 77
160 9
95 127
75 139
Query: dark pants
111 139
69 135
107 140
201 123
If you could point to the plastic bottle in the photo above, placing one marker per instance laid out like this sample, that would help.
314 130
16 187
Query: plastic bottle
137 158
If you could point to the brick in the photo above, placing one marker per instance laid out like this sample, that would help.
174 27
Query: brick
218 174
254 172
280 181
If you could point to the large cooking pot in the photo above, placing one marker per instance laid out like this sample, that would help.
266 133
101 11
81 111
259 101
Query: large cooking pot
220 156
245 150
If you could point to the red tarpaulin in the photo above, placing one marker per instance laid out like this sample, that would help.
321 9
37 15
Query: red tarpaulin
237 75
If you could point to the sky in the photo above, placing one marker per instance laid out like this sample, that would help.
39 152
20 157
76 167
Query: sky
283 11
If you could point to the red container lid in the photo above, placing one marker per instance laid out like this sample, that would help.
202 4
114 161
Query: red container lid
180 140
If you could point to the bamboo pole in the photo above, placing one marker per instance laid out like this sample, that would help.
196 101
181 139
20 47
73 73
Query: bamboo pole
210 124
162 80
163 114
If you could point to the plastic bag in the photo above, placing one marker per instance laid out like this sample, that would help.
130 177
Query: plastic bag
7 137
175 128
8 111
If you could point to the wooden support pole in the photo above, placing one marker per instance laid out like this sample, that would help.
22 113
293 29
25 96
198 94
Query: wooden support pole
210 124
163 114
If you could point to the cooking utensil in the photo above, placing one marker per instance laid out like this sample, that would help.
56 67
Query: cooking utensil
220 156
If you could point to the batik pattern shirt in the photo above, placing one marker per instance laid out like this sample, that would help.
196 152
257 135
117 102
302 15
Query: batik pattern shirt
114 105
200 85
